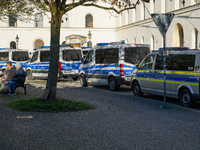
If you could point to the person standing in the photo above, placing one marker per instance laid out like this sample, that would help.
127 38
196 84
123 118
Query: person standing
19 78
10 72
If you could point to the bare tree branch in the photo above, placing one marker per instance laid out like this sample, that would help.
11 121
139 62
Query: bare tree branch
108 8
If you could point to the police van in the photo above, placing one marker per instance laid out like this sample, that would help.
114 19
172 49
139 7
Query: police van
182 76
69 62
111 64
13 55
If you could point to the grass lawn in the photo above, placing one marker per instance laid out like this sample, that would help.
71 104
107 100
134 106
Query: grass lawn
39 105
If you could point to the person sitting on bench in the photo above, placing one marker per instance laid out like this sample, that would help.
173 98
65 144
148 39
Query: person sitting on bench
19 78
8 76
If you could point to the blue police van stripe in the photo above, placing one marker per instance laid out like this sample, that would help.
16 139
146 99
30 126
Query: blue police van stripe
169 77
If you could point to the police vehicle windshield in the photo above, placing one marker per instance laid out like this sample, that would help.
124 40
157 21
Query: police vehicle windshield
4 56
72 55
134 55
20 56
35 57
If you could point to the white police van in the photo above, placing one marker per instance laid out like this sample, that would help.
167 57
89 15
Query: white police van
111 64
69 62
13 55
182 75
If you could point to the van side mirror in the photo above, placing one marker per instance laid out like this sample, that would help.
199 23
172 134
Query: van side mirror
137 66
82 61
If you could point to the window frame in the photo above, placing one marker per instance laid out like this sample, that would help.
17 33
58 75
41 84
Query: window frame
153 64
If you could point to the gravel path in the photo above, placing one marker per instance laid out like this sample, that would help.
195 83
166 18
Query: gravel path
119 122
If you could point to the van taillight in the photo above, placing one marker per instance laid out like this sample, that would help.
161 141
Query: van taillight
60 66
121 69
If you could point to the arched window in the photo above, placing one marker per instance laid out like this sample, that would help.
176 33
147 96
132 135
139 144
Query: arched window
152 42
38 43
12 21
194 40
13 45
38 20
65 21
178 36
142 40
89 21
89 44
134 41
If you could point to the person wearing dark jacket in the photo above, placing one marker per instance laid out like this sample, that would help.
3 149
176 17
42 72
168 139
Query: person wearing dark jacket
8 76
19 78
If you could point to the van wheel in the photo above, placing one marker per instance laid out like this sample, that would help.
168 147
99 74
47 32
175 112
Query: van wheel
113 86
137 90
186 98
29 75
83 81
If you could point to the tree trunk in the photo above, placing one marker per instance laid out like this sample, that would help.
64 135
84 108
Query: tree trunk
54 51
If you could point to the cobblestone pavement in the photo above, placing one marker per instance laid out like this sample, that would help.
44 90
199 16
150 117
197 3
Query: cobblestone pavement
119 122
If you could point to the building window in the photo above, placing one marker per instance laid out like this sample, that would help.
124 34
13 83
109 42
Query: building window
12 21
38 43
152 42
65 21
89 21
13 45
38 20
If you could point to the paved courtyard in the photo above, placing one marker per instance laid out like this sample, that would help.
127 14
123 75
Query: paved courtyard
119 122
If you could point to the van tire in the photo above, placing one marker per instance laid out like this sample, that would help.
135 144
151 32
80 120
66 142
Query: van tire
113 86
29 75
186 98
83 81
137 90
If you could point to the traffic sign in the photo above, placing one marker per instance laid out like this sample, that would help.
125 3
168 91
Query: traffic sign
162 21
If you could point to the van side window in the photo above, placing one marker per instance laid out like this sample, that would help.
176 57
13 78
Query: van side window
4 56
134 55
112 56
99 57
89 57
181 62
147 63
20 56
35 57
44 56
176 62
107 56
159 63
72 55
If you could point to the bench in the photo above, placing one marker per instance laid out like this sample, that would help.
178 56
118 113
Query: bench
21 85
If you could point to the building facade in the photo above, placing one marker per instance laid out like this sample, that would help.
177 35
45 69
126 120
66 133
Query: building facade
133 26
137 26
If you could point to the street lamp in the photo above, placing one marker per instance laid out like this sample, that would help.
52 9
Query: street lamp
17 41
89 35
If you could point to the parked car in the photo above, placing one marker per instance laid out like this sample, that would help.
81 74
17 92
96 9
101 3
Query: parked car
111 64
182 76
